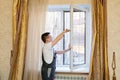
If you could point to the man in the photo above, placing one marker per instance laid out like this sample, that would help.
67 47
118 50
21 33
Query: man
49 55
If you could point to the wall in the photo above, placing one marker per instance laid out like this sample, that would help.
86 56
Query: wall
69 1
5 37
114 34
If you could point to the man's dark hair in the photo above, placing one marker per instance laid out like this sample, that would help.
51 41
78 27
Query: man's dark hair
44 36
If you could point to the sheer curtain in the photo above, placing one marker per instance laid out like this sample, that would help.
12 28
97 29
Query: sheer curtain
36 26
99 64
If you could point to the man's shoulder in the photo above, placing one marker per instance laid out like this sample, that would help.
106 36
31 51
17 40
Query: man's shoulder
47 45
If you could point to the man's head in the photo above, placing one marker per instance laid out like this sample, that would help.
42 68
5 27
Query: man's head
46 37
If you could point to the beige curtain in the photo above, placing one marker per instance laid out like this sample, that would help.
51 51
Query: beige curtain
20 20
36 25
99 64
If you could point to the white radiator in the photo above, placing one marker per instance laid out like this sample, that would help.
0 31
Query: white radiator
70 77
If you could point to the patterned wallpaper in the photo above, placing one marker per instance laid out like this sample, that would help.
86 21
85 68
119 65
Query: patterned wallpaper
5 37
114 34
69 1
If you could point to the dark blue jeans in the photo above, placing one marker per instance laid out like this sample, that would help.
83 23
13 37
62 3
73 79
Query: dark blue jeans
44 73
44 69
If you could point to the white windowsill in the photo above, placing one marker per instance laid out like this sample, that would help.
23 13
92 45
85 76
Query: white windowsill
67 69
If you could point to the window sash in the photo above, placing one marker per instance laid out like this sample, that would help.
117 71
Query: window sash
75 9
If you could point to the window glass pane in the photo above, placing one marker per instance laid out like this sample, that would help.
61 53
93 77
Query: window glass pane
67 38
78 40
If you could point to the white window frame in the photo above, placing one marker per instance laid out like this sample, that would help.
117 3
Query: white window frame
82 68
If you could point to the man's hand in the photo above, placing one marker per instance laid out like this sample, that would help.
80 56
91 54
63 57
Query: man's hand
59 37
69 47
66 30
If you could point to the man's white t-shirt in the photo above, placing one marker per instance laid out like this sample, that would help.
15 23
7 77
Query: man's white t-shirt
48 52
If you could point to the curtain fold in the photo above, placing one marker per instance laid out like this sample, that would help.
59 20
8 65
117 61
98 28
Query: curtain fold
19 36
99 63
36 26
